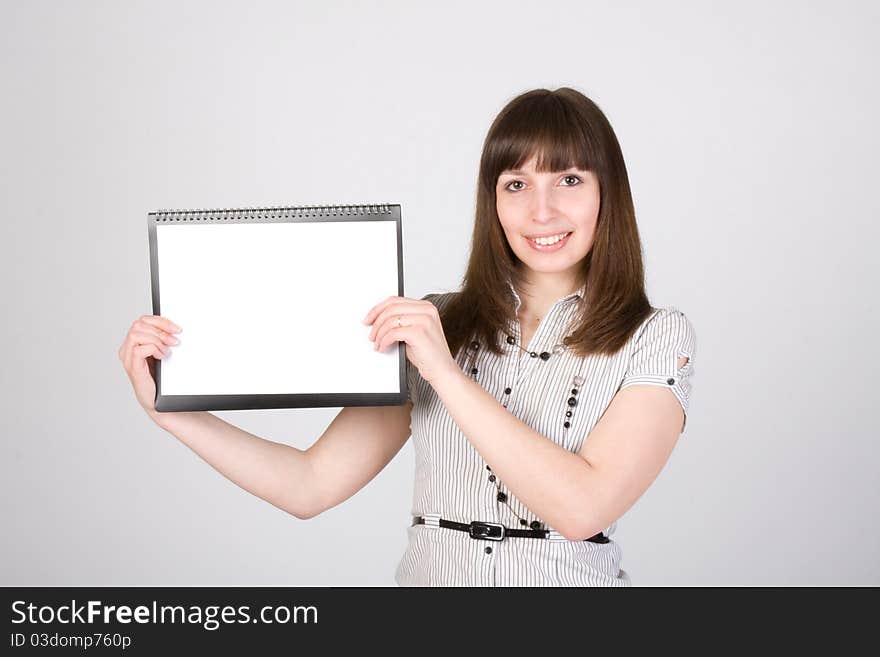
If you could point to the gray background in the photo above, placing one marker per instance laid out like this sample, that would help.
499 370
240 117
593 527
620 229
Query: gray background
749 131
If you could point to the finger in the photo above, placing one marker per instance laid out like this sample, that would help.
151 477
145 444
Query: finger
397 334
388 318
138 339
148 336
375 310
409 307
137 359
143 350
160 326
160 322
384 335
148 331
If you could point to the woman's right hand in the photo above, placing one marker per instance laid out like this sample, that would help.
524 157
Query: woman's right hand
148 339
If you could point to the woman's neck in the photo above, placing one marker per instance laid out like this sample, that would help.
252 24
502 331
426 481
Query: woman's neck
540 294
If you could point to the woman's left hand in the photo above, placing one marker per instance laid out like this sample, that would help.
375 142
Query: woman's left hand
419 327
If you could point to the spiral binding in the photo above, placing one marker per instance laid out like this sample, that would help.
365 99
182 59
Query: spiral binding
277 212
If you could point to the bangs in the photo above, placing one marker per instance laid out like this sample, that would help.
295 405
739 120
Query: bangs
546 127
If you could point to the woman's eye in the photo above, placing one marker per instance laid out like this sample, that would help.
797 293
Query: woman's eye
572 181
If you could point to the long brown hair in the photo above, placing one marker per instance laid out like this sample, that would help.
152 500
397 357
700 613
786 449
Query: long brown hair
563 128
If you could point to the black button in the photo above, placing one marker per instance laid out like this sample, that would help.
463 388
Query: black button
491 477
510 340
544 355
475 345
535 524
522 521
507 391
502 497
474 371
488 550
567 425
574 391
567 413
572 401
670 381
533 354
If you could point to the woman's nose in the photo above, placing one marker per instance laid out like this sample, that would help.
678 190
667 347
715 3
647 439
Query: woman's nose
543 205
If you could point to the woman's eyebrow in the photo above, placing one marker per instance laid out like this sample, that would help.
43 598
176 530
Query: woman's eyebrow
517 172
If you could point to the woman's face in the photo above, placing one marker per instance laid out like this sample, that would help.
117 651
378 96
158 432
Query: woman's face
532 204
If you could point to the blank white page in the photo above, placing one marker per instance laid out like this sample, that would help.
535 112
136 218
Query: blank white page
276 308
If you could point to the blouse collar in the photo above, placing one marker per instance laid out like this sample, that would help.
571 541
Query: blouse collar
577 294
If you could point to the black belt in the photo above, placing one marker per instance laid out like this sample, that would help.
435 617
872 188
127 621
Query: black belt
493 531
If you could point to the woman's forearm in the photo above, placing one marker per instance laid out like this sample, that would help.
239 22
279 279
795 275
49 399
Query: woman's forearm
549 480
277 473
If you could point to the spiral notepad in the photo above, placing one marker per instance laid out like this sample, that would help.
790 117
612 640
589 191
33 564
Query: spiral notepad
271 300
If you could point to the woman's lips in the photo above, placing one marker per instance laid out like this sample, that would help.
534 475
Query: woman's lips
548 249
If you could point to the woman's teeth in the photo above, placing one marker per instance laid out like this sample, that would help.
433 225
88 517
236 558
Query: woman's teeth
547 241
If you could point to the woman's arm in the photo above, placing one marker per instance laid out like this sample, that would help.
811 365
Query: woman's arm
575 496
352 450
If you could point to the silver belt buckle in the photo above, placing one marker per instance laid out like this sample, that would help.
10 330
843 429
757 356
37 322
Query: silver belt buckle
487 531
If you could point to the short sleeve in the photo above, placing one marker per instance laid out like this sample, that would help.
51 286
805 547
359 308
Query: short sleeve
666 337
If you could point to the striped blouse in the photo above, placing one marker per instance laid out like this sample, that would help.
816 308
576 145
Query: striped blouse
452 480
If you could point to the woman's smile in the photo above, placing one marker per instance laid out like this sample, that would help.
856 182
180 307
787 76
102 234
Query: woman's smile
549 244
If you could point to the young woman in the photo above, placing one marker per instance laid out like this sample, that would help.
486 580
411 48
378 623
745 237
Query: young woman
546 395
